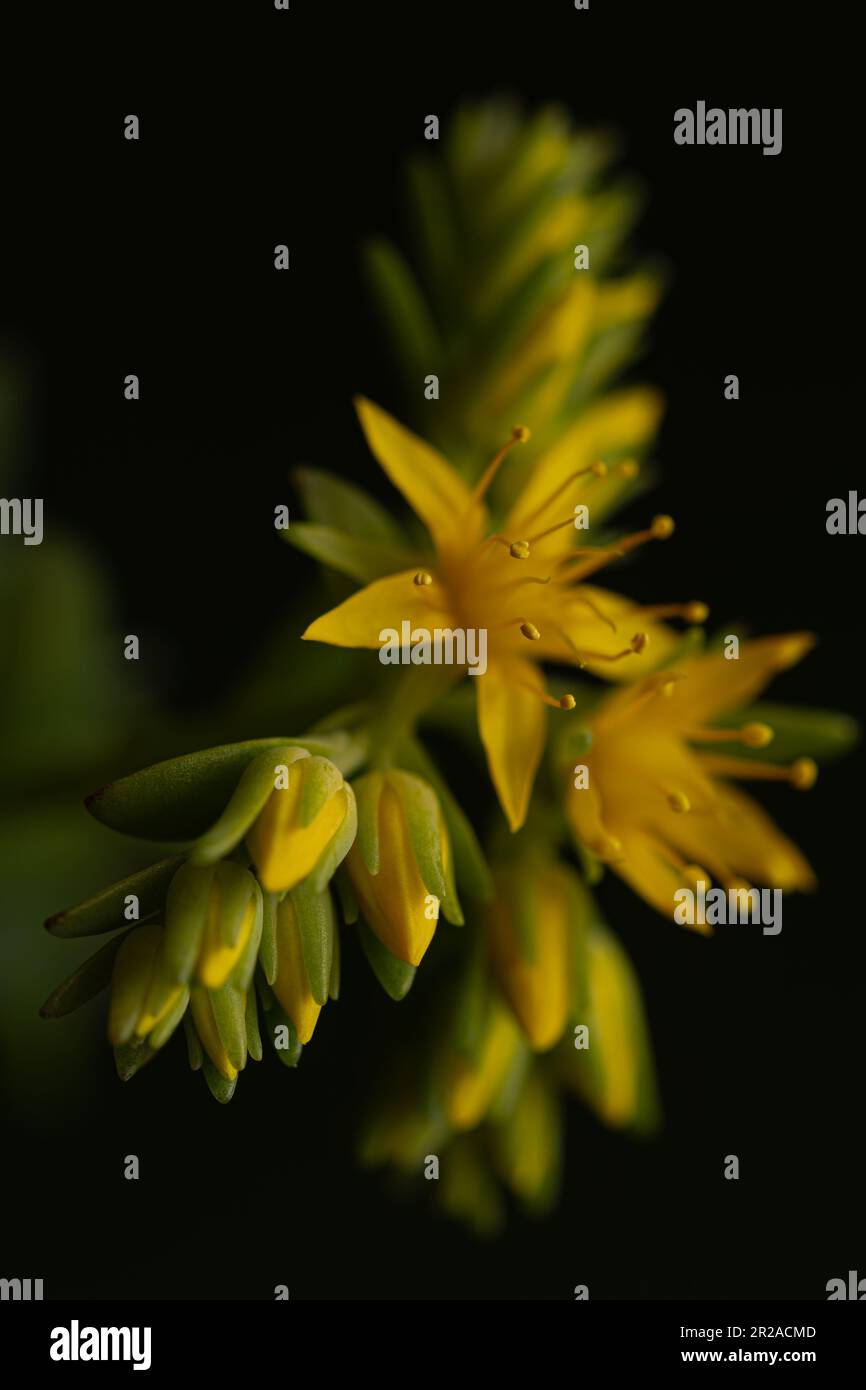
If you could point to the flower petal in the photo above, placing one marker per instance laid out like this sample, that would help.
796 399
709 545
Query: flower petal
433 489
512 722
714 684
386 603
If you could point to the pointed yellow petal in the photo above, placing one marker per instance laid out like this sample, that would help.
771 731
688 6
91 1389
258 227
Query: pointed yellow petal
434 490
384 604
622 422
471 1085
744 838
714 684
512 722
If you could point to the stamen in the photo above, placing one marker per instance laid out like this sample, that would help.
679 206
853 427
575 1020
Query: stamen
530 632
802 773
566 702
519 435
694 612
423 579
660 529
594 608
679 802
751 735
598 470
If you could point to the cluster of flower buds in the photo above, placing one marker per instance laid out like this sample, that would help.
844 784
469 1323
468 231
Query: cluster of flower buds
241 924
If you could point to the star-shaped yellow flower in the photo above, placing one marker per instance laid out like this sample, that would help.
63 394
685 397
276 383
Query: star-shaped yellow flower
659 807
524 585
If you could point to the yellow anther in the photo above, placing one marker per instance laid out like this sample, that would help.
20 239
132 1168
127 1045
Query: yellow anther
520 434
639 642
679 802
530 631
519 550
803 774
756 735
662 527
423 579
629 468
567 702
696 612
599 469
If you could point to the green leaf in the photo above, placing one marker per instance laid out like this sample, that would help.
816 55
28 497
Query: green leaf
234 887
86 981
404 310
334 982
219 1088
229 1010
193 1045
395 976
367 791
421 808
130 1057
104 911
799 732
471 867
160 1035
361 559
181 798
186 908
254 1037
268 943
337 848
314 913
332 502
247 800
130 981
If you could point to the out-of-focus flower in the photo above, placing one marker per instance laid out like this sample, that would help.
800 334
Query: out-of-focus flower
522 585
400 864
471 1080
659 807
535 928
609 1061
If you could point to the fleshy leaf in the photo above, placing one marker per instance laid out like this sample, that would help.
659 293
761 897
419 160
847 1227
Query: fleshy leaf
181 798
395 976
104 911
86 981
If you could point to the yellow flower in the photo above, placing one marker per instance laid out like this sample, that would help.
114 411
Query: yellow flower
531 927
400 865
658 806
472 1084
524 587
308 818
611 1067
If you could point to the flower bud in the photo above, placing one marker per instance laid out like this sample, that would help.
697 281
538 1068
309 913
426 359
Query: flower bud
306 825
400 864
530 926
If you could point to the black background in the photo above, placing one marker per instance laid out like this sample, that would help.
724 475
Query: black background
157 258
